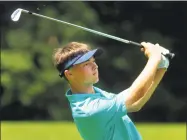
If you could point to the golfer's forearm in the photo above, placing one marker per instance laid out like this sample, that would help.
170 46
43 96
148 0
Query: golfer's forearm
158 76
143 81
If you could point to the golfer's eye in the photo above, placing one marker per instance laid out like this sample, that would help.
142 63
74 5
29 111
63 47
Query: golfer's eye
86 64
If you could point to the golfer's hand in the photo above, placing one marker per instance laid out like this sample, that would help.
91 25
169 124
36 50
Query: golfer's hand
150 50
164 63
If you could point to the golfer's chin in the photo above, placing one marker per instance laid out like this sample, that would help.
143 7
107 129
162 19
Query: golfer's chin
96 80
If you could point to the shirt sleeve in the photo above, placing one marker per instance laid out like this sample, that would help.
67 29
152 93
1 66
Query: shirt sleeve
123 95
108 95
106 108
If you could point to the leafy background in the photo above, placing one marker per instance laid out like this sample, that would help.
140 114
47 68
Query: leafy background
30 86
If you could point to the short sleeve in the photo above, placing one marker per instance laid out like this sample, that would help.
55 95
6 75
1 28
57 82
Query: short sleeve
123 95
106 108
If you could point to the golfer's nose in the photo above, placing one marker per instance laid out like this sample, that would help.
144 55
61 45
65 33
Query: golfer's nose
95 66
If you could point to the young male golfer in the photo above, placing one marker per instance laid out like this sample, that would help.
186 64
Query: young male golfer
98 114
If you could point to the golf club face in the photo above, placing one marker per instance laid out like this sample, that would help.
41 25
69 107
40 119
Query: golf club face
16 14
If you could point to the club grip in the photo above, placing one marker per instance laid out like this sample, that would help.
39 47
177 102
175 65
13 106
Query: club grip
135 43
168 55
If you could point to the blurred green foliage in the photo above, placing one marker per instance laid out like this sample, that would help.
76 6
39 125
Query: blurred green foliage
29 80
28 74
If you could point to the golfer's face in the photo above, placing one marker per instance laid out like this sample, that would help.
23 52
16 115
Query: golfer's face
86 72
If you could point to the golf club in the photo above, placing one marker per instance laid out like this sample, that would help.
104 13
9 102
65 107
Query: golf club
17 14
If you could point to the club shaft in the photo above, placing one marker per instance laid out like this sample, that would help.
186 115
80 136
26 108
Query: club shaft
84 28
90 30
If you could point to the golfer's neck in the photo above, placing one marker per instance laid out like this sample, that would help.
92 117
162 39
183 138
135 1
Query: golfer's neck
82 89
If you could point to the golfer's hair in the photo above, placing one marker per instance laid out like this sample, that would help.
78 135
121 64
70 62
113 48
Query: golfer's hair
63 54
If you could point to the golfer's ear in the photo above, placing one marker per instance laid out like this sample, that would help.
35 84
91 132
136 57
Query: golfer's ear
67 73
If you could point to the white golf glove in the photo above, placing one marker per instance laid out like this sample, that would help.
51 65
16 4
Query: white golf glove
164 63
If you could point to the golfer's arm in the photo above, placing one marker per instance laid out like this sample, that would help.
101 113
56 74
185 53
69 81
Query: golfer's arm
141 102
141 84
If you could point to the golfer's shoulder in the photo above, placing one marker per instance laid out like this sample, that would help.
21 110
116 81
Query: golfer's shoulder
105 93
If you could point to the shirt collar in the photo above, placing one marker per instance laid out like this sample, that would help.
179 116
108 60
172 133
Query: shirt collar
77 97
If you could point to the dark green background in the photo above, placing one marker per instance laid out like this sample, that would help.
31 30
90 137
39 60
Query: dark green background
30 86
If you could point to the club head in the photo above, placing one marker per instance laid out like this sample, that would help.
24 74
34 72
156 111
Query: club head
16 14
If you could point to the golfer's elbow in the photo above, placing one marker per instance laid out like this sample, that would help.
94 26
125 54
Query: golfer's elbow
135 102
134 108
132 103
137 107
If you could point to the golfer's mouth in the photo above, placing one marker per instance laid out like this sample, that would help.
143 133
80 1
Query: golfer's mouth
95 73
